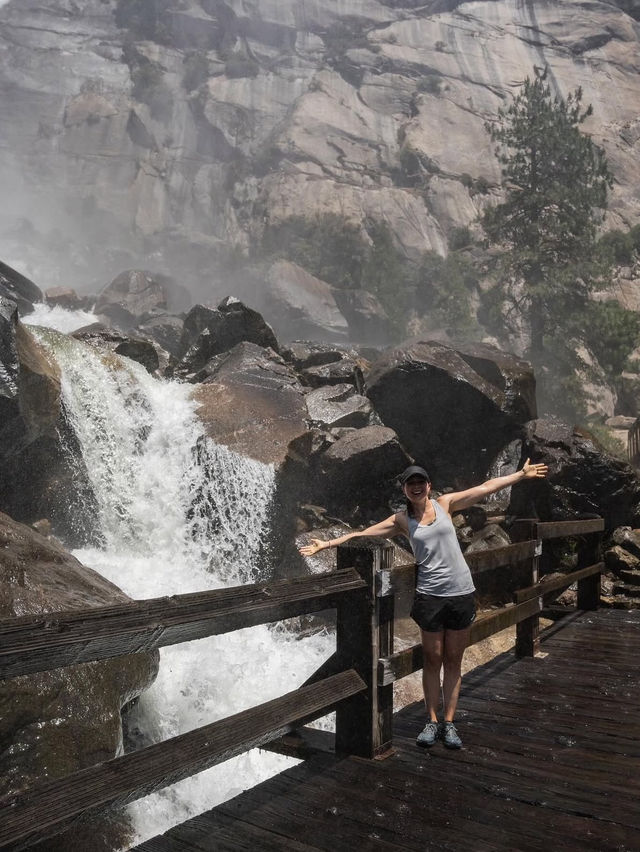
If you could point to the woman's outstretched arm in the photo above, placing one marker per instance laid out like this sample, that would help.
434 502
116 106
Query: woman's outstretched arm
387 529
463 499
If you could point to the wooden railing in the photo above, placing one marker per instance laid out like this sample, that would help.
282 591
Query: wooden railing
356 682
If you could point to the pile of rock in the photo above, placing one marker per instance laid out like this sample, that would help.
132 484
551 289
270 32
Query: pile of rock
622 559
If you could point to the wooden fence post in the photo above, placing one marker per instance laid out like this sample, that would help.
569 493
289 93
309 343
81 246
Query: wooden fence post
528 630
589 587
364 634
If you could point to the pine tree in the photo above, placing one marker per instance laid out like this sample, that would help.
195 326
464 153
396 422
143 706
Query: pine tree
556 181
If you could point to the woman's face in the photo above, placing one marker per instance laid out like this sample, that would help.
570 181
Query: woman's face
416 488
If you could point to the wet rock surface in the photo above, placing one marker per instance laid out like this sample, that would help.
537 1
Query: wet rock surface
60 721
19 289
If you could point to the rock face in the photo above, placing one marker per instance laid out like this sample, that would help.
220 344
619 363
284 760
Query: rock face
252 402
583 479
19 289
299 305
453 410
218 117
57 722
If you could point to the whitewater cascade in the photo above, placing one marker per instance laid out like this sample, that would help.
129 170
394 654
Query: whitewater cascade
179 514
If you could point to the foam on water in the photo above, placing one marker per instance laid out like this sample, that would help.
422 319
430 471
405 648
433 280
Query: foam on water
179 514
59 318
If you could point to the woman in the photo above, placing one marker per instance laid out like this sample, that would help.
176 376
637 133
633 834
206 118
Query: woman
443 607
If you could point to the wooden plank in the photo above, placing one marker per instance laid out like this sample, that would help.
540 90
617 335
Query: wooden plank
36 814
403 663
364 633
556 583
303 743
401 578
561 529
31 644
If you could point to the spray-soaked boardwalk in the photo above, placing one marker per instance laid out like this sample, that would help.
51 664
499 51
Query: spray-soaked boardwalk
551 761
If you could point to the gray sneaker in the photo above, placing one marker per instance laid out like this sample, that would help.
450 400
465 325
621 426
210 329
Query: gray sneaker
429 735
449 735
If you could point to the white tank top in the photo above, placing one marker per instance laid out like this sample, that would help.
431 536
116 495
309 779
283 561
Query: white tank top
442 569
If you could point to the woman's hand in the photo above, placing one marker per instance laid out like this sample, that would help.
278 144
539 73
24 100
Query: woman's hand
534 471
313 548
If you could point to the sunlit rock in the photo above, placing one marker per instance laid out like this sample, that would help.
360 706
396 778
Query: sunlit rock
338 405
252 402
298 304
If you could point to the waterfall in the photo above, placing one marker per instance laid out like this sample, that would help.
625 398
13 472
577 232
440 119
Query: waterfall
179 514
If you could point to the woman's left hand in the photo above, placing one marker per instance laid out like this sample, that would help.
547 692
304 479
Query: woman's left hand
534 471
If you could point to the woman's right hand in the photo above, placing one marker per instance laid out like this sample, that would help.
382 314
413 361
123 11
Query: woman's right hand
313 548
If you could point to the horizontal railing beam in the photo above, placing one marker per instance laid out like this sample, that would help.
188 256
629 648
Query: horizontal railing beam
562 529
403 663
557 583
402 577
50 641
35 815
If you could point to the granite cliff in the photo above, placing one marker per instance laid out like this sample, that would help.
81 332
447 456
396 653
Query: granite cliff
171 133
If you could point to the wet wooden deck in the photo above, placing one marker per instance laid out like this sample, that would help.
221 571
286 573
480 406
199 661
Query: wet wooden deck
551 760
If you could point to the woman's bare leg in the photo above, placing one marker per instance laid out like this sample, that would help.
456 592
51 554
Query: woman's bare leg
432 644
453 648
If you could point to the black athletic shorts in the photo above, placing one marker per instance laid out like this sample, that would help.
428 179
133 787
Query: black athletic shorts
434 613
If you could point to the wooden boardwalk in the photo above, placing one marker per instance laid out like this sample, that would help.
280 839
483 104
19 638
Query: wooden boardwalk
551 762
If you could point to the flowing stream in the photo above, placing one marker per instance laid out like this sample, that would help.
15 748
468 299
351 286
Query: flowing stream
177 514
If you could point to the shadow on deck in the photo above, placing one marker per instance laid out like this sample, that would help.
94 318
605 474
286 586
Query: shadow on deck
551 761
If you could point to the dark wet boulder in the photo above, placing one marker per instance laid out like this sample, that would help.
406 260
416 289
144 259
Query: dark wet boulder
252 402
57 722
136 348
584 480
38 479
208 332
19 289
163 328
357 475
453 409
298 304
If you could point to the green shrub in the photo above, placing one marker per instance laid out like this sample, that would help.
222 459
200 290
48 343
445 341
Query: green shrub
145 19
460 238
612 333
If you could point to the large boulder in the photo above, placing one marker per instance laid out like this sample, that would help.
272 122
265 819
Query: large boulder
298 304
39 478
357 475
136 293
369 323
338 405
583 478
321 364
252 402
453 409
209 332
56 722
138 349
19 289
